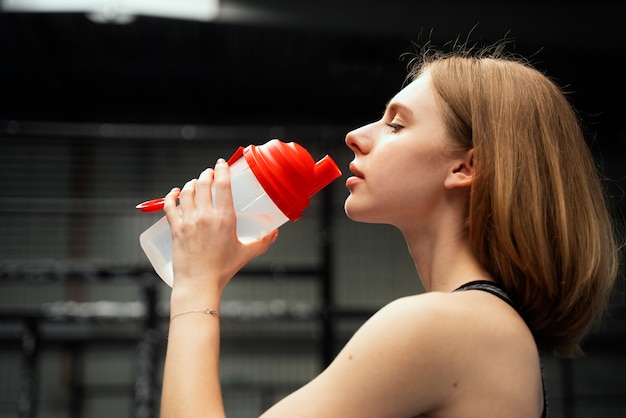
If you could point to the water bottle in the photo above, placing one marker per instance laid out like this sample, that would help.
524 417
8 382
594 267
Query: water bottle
271 184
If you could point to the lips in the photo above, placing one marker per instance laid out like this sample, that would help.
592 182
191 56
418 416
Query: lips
357 178
354 170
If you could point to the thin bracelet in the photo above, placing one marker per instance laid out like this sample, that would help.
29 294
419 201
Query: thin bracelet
207 311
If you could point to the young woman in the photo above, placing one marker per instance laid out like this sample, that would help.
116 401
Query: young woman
480 162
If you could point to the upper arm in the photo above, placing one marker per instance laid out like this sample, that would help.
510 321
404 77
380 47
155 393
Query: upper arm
390 368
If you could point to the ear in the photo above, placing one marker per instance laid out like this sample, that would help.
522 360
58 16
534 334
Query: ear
462 172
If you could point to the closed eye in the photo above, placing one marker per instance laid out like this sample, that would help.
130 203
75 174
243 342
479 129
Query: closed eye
395 127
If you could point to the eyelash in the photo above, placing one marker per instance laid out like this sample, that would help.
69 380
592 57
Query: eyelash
395 126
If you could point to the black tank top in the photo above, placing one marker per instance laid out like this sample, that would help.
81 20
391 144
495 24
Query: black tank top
496 290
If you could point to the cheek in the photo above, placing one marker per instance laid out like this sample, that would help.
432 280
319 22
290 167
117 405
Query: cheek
411 182
402 169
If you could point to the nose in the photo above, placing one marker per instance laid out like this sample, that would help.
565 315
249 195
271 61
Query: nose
358 140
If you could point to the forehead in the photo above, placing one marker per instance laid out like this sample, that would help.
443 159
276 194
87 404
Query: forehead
417 96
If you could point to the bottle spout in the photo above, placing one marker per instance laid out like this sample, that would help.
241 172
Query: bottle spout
325 172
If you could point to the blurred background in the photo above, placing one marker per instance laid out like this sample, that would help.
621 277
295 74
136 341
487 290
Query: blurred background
106 105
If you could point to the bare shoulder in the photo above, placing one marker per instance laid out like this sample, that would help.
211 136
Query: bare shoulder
489 356
457 315
439 354
448 327
456 352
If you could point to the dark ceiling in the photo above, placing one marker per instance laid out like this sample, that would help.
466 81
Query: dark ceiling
286 61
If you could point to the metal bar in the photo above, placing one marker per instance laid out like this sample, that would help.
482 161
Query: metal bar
27 403
146 365
74 364
185 132
328 299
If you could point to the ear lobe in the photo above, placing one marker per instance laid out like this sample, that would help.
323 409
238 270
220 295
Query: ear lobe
462 174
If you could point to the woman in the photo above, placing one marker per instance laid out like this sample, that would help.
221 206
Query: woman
481 164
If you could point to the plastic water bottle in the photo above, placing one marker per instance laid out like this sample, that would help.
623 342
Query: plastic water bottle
271 184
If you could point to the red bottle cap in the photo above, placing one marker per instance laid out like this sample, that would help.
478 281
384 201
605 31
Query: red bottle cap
288 174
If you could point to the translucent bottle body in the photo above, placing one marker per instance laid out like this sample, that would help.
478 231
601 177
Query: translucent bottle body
257 216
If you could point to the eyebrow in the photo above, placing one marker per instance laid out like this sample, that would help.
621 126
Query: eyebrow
398 107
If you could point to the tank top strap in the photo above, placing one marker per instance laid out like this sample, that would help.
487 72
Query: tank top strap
489 287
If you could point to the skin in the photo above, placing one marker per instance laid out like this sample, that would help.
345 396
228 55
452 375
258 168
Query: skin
437 354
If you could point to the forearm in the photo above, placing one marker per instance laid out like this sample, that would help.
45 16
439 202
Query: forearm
206 254
191 383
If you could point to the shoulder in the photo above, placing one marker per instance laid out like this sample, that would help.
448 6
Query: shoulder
441 325
417 354
462 349
443 315
426 346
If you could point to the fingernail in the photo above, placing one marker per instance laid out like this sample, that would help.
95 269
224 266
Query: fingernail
220 161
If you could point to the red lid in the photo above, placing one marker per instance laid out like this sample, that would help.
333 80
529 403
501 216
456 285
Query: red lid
289 175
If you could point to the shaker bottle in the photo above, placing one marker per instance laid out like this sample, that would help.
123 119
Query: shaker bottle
271 184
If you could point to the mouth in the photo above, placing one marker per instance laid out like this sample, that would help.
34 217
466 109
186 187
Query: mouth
352 181
354 170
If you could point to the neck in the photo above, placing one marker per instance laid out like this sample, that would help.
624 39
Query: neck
443 257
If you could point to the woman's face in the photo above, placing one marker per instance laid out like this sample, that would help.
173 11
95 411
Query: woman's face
401 161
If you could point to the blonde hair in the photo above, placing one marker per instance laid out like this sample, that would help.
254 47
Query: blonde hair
537 216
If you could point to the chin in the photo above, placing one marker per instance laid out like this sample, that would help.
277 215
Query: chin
359 214
350 211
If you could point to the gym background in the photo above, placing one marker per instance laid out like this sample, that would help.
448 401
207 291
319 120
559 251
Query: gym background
102 109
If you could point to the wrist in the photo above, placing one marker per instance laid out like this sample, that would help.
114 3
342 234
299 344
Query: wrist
188 298
206 311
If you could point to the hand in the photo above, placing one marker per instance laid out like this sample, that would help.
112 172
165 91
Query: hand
206 250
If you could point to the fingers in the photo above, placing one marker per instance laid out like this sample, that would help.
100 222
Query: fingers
203 189
169 205
197 194
223 192
187 198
